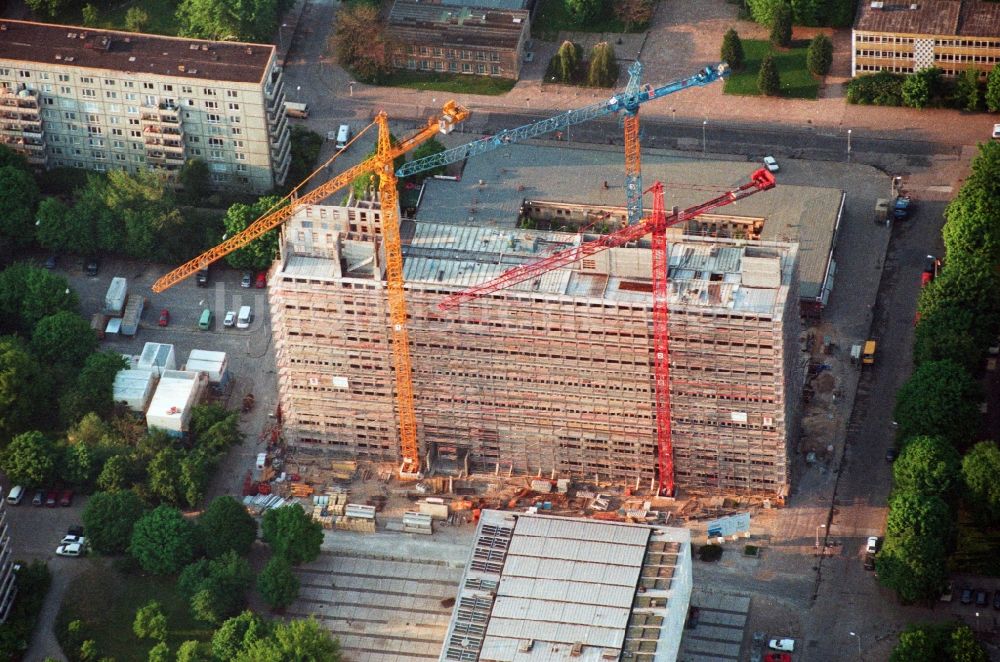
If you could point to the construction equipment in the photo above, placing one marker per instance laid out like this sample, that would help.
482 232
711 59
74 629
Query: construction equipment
761 180
627 101
381 164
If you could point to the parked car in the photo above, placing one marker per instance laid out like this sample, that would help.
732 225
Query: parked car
69 540
39 498
932 266
966 597
891 455
247 279
771 164
50 261
261 281
202 278
51 498
777 657
66 498
92 266
996 130
164 317
72 549
872 546
786 645
75 531
230 319
869 562
982 597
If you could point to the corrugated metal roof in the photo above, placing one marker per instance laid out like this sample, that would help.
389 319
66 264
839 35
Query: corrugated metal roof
564 591
581 530
301 266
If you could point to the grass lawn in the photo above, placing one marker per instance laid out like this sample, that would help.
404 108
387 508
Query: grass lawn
551 17
161 16
106 600
455 83
796 81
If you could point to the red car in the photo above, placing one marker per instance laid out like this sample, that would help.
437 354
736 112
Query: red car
261 281
777 657
164 317
66 499
51 498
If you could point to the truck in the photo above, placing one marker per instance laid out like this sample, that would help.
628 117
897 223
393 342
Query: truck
881 211
298 110
901 208
130 318
114 299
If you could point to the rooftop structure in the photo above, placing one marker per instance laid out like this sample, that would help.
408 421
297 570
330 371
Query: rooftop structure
565 188
214 364
170 408
903 37
553 375
104 99
459 37
539 588
158 357
135 387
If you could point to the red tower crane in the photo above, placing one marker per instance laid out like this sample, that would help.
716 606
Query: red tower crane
656 224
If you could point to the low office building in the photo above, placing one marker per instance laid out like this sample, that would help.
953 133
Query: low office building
907 36
102 99
548 588
455 37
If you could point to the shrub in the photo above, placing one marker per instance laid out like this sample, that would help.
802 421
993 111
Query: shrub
732 50
819 57
768 80
879 89
781 28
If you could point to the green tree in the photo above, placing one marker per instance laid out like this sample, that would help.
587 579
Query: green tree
603 66
963 646
635 14
143 205
429 148
911 513
915 567
236 634
361 43
29 459
195 472
159 653
64 338
763 11
980 468
922 643
60 229
292 533
768 80
968 95
920 88
90 15
22 388
88 651
77 466
568 61
136 19
254 21
18 199
195 651
819 56
163 541
109 519
305 641
215 429
27 294
277 584
259 254
227 526
8 157
929 466
950 331
93 390
583 11
993 89
150 622
164 476
195 179
808 12
732 50
781 27
939 399
881 89
216 588
114 475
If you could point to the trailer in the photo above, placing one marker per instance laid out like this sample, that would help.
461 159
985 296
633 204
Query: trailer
133 311
114 299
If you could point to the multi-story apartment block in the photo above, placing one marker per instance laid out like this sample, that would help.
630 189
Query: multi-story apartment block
8 579
904 37
453 37
100 99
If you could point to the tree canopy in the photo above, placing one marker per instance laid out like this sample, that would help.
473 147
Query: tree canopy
292 533
236 634
732 49
768 80
23 394
216 588
913 566
28 293
781 25
819 56
163 541
912 513
29 459
277 584
920 88
227 526
361 44
993 89
231 20
18 199
109 519
150 622
932 642
929 466
259 254
93 390
63 338
980 472
603 70
583 11
939 399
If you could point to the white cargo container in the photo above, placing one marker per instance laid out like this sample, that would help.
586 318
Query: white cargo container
158 357
114 300
214 364
177 392
135 388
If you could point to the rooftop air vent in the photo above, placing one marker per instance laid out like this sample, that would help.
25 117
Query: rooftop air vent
877 4
204 47
193 47
914 6
131 58
69 58
58 56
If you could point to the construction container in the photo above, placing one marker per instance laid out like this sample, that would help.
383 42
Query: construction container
114 299
130 318
359 511
881 210
135 388
435 510
214 364
177 393
98 322
158 357
417 523
114 326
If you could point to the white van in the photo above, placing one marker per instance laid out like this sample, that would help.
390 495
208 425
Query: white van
244 318
261 460
343 135
15 495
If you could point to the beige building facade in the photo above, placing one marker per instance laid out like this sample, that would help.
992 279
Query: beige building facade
101 100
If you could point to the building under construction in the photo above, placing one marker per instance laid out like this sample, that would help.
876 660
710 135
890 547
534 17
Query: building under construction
553 376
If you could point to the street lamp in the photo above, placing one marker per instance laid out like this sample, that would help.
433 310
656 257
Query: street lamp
859 642
350 88
298 93
848 144
977 621
818 527
673 114
704 141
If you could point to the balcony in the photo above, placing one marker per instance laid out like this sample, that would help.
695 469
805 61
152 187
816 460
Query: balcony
160 130
164 158
23 98
162 114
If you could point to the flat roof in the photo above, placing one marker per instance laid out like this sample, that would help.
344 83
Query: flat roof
551 588
134 53
966 18
456 25
806 215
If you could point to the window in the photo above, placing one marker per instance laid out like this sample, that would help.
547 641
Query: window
95 130
185 89
480 68
148 86
208 92
168 88
215 154
132 110
237 131
117 132
43 76
241 167
5 72
466 68
211 105
129 84
215 141
240 156
411 64
232 94
234 106
150 100
234 119
63 78
238 143
119 157
118 144
86 80
453 67
495 69
494 57
69 116
135 134
196 151
92 117
114 108
214 119
65 90
111 94
133 121
131 96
